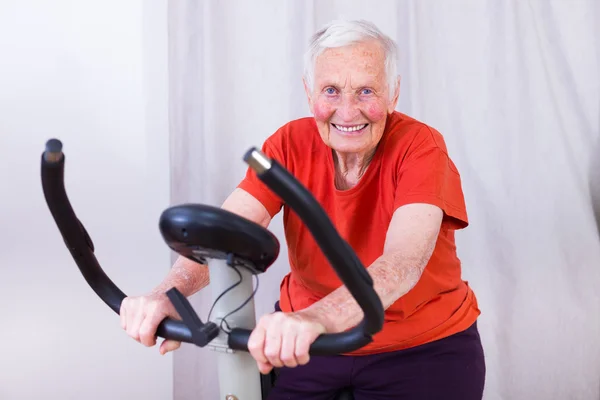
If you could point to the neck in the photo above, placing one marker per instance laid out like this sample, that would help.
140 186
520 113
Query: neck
350 167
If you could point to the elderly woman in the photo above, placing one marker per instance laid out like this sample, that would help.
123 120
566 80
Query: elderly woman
389 186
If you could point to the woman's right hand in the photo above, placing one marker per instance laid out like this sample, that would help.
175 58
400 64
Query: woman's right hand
141 315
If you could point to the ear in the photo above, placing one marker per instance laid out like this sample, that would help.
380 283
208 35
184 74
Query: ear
394 102
308 92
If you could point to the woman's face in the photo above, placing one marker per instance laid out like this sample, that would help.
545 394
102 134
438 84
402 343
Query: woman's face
350 99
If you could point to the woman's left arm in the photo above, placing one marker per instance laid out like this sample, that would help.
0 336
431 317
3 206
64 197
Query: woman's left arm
410 240
284 338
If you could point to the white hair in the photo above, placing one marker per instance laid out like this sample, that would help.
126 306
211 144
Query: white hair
340 33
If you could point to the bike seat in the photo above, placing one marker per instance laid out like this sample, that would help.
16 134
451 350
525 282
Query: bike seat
200 232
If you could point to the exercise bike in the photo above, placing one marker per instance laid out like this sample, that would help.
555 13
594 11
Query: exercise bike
235 250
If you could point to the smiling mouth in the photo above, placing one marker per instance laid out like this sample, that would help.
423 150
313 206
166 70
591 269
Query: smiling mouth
350 128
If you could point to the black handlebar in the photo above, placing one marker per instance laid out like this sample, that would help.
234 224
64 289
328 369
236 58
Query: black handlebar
80 244
340 255
338 252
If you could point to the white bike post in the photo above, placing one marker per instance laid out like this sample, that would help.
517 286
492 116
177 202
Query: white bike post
239 377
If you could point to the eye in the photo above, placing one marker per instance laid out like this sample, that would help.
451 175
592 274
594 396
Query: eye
330 90
366 91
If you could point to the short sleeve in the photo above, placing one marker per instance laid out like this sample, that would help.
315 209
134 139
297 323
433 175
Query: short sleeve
428 175
272 148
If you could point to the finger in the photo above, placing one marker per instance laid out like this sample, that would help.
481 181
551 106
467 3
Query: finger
273 340
264 368
256 343
288 350
168 345
133 326
123 315
302 348
148 327
257 340
147 332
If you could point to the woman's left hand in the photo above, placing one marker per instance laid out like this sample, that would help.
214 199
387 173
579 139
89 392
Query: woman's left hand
283 339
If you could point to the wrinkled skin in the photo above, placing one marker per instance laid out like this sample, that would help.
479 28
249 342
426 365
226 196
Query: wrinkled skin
349 90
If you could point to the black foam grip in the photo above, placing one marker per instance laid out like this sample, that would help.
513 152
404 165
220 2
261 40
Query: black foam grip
324 345
81 248
339 253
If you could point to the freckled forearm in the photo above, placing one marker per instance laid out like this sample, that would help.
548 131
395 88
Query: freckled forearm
393 276
187 276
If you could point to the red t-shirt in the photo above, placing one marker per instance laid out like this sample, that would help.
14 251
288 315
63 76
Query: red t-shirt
411 165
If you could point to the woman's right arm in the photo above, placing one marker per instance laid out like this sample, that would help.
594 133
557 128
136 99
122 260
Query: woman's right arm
141 315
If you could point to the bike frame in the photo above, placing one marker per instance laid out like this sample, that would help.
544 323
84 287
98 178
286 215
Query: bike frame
235 250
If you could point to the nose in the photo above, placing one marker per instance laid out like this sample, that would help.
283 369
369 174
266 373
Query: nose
348 109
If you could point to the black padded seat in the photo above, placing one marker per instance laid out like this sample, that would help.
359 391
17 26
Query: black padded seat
200 232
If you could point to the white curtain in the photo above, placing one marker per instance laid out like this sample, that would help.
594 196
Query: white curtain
513 86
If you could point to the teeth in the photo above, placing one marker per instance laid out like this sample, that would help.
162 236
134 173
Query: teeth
350 129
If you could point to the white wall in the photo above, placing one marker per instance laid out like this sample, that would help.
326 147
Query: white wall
93 74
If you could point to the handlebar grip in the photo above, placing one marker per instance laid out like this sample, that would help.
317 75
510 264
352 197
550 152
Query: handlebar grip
339 253
324 345
80 244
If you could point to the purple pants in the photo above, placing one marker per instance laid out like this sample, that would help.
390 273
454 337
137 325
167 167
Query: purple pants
452 368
